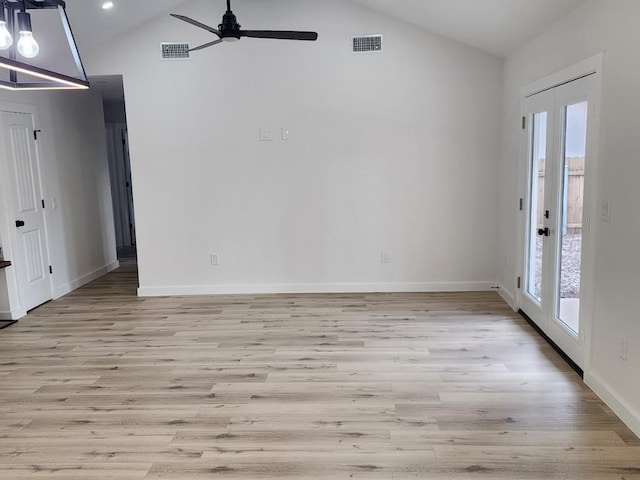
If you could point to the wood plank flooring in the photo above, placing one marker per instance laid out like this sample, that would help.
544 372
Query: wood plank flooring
102 385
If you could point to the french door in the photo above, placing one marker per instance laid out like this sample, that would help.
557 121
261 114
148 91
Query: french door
557 225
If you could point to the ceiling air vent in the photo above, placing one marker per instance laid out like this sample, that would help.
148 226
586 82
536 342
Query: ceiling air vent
367 44
175 51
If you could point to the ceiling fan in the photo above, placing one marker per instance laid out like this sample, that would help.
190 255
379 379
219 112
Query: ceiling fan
231 31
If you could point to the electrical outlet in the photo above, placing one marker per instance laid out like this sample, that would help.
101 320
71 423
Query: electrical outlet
215 259
266 135
624 343
384 257
286 135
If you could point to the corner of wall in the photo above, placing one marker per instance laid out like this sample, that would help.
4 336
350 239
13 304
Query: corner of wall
66 288
508 296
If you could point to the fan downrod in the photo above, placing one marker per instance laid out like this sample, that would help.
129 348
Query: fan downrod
229 28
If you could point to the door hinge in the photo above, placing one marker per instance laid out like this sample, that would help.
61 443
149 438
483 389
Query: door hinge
519 283
35 134
524 123
50 269
521 204
43 204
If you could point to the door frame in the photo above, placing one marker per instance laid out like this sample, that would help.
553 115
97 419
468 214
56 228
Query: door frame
593 67
120 175
8 234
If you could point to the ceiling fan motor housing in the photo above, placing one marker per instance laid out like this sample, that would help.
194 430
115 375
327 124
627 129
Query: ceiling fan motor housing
229 28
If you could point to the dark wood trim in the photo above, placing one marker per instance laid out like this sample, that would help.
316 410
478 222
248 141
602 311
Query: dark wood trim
4 264
555 346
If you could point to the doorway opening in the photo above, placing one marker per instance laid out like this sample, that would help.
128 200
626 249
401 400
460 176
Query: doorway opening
111 88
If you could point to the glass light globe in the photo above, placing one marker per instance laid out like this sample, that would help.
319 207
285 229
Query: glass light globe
27 45
6 40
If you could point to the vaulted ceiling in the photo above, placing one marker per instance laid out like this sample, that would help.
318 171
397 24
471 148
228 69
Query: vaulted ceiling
498 27
92 26
495 26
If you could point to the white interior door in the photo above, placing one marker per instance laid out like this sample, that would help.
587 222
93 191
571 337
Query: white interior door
31 260
556 219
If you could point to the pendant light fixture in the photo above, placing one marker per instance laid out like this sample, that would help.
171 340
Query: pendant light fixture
27 45
6 39
15 24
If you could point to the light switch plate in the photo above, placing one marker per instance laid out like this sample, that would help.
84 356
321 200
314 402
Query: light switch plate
606 212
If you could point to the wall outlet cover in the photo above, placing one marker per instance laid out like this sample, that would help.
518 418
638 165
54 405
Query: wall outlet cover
624 343
266 135
606 212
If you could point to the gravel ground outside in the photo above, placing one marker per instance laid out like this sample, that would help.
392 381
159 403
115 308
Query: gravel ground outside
571 260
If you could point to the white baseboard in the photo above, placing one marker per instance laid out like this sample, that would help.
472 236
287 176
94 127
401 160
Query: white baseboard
189 290
69 287
12 315
508 297
621 408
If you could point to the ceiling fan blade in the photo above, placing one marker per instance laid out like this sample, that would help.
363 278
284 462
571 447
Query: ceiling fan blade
196 24
206 45
280 34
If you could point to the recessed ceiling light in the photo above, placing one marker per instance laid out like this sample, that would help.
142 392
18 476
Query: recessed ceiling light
107 5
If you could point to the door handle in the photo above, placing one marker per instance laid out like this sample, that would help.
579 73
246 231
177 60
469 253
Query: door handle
19 223
544 232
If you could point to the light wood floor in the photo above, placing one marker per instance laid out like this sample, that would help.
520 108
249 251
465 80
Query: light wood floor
102 385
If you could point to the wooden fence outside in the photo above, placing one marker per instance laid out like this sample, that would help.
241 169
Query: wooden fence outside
574 175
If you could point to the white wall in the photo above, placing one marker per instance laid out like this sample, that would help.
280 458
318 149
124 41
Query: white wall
609 26
75 172
397 151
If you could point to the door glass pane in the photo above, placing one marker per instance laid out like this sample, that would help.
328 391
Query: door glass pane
536 206
572 201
